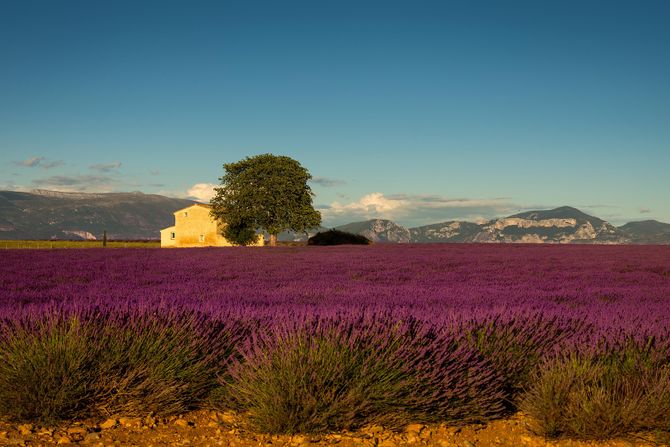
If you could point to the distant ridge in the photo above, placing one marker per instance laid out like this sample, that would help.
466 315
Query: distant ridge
378 230
562 225
44 214
647 232
452 231
559 225
562 212
70 195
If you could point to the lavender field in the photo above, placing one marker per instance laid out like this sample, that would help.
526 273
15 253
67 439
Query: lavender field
313 339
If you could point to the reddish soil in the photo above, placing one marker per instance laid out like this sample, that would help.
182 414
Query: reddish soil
209 428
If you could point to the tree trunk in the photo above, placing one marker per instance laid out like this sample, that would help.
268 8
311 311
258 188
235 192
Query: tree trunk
273 240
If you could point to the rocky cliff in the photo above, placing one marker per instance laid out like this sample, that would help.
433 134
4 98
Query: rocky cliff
564 225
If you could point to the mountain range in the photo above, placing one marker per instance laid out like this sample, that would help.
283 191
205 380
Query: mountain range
559 226
42 214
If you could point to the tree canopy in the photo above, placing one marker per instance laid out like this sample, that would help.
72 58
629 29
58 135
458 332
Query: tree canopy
264 192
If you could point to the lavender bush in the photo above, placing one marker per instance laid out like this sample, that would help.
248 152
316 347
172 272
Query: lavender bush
345 372
318 378
47 369
160 363
600 396
65 365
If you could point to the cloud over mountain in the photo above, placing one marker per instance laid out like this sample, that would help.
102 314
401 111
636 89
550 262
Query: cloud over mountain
202 192
416 209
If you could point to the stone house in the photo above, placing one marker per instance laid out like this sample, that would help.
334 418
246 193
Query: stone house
195 227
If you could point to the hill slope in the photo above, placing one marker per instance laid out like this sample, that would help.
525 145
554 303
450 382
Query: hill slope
42 214
647 232
378 230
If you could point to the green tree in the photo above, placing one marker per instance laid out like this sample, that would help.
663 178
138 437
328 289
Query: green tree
265 192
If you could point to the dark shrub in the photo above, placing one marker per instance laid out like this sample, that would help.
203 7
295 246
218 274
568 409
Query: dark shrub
600 397
337 237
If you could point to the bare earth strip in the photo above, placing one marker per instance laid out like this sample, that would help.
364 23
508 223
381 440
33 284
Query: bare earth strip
210 428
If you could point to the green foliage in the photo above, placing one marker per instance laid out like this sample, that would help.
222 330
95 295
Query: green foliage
267 192
240 233
599 398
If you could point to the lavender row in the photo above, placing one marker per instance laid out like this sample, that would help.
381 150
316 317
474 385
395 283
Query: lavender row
325 338
612 288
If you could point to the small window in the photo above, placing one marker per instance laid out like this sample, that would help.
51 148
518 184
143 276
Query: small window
202 238
185 213
172 235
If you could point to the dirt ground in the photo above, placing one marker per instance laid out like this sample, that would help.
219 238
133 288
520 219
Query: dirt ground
210 428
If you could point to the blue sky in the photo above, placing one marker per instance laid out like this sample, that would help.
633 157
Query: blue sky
418 111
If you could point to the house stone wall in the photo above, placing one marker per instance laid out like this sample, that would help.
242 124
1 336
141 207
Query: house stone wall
194 227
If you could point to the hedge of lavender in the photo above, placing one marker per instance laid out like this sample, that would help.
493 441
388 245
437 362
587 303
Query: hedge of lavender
306 339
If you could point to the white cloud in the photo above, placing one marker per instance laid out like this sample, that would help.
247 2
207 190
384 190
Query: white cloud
370 204
106 167
202 192
34 162
51 164
413 210
77 183
327 182
30 162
